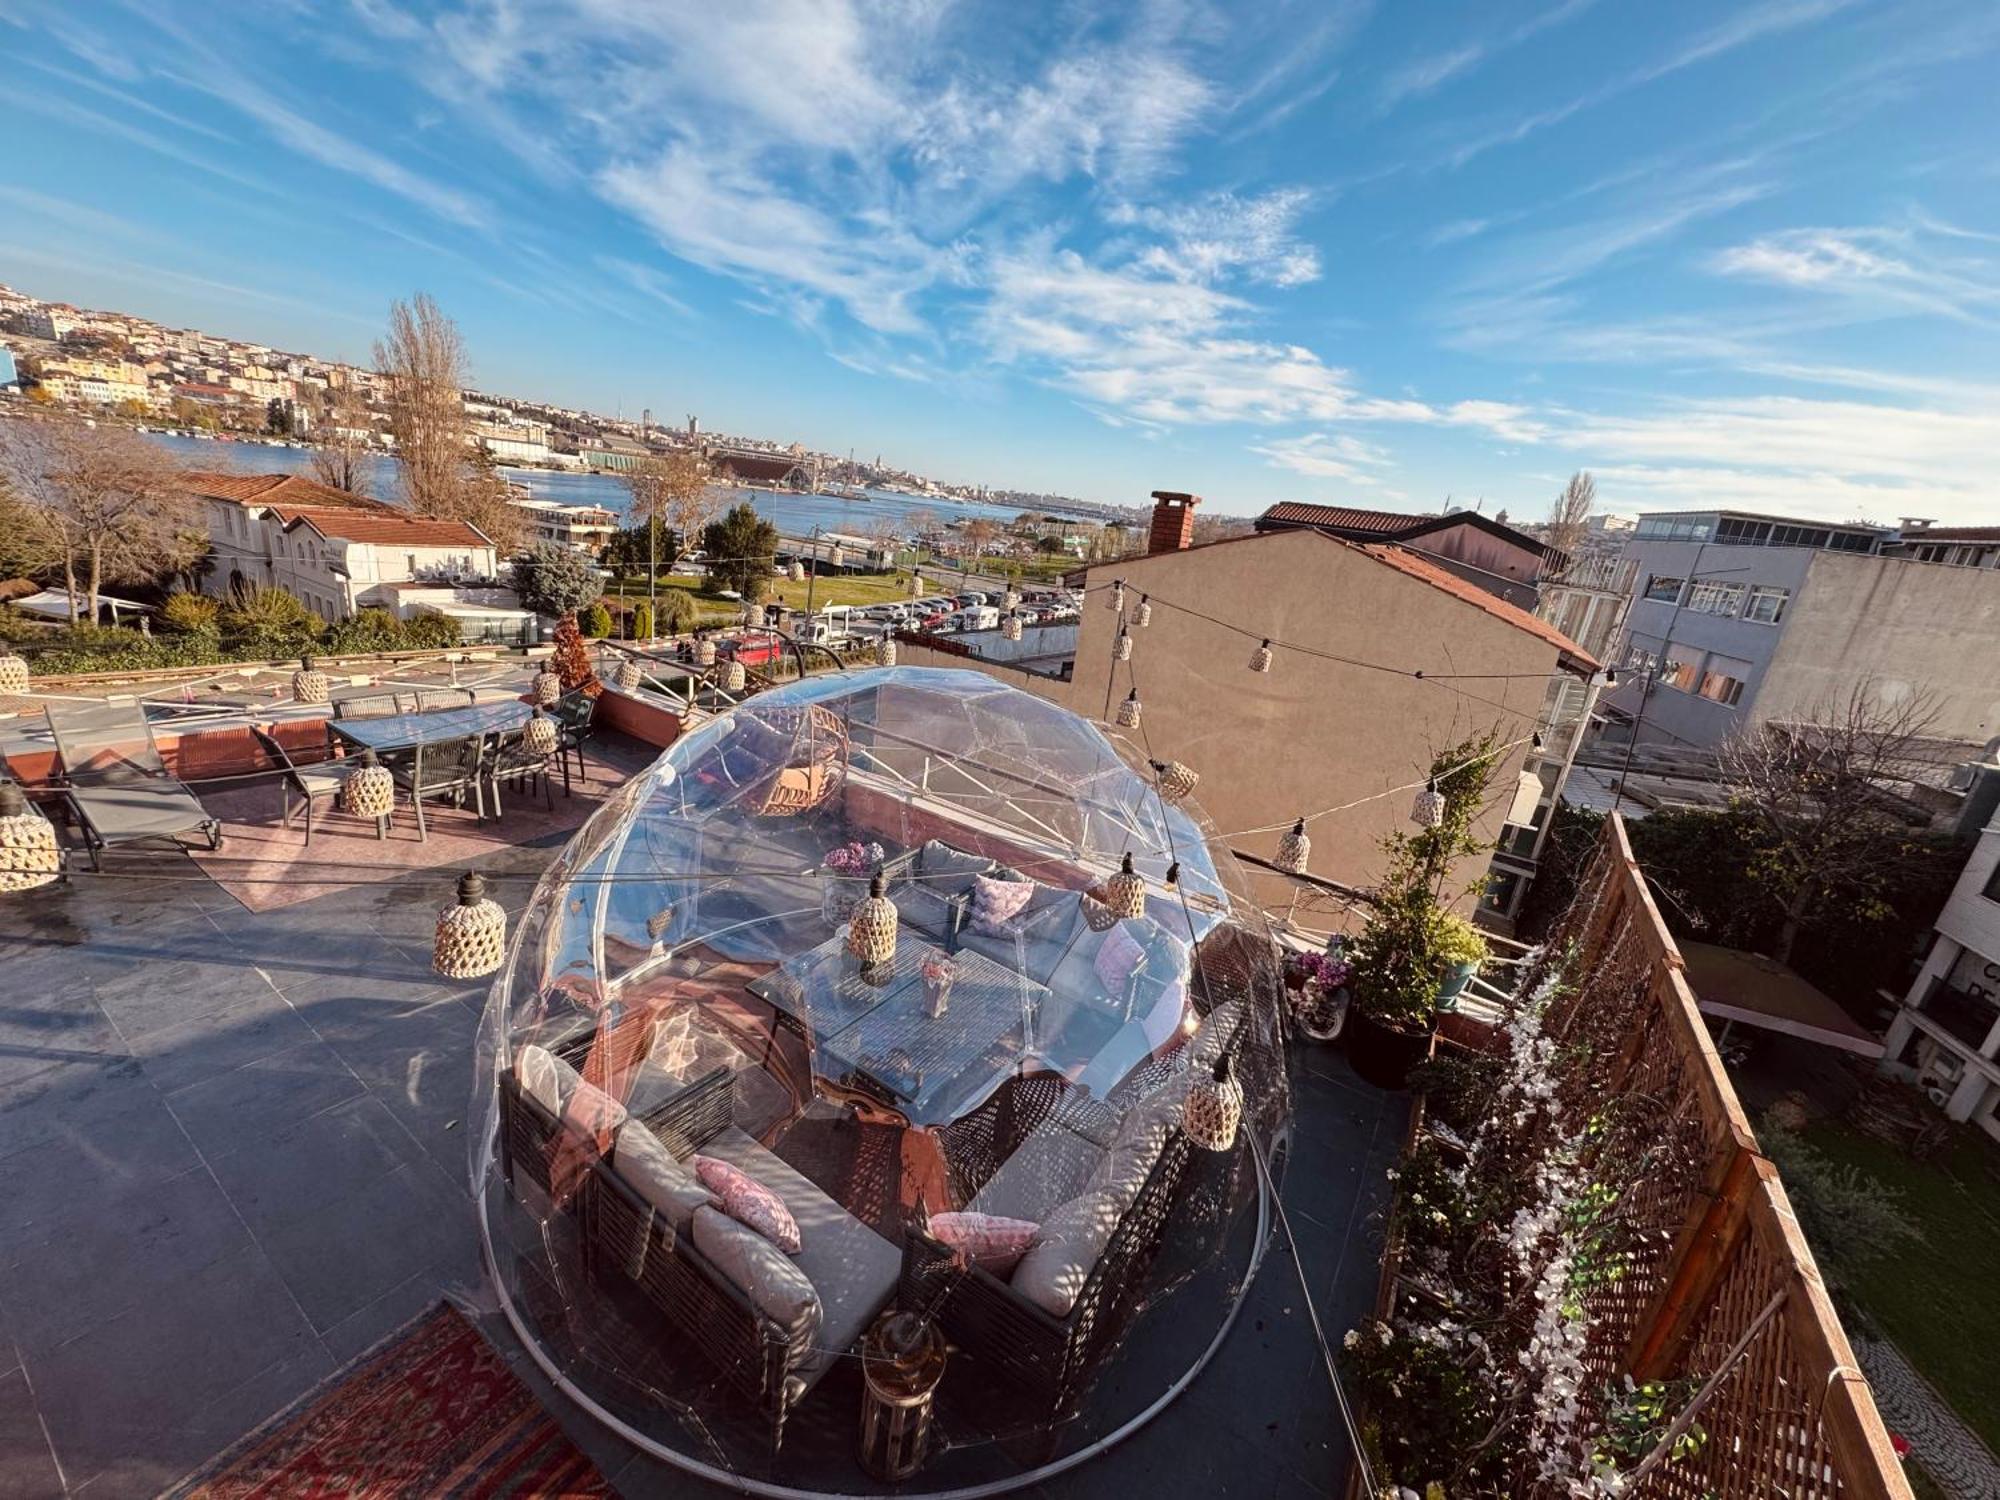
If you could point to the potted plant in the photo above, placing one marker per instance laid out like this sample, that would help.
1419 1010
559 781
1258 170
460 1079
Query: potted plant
1413 945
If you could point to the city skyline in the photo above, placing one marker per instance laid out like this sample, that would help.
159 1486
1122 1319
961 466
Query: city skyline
1736 256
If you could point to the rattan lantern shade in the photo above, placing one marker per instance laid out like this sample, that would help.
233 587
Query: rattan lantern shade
1125 892
704 652
13 674
1011 599
369 790
798 572
871 933
1010 628
1128 711
1294 850
548 686
629 676
1260 659
309 684
539 735
885 651
1116 598
29 856
1427 811
1123 649
734 677
1143 616
471 934
837 558
1175 781
1214 1109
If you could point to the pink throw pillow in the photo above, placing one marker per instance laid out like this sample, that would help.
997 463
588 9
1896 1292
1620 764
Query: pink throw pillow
748 1201
1119 957
996 903
989 1242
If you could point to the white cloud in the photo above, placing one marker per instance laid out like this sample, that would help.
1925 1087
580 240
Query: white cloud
1221 235
1428 74
1318 455
1879 269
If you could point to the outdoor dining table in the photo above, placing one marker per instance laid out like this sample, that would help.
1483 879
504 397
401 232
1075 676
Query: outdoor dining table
404 731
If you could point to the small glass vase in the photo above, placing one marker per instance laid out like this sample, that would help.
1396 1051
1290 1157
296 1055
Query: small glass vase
937 994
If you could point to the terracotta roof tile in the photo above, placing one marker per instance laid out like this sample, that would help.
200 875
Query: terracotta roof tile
392 527
1345 517
276 489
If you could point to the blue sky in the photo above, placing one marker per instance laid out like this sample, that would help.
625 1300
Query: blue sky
1742 253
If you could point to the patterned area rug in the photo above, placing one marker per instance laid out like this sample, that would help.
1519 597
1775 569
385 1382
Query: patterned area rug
430 1411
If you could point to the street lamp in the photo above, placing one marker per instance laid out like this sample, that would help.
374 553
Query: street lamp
812 571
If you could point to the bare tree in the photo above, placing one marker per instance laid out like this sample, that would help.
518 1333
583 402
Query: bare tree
340 439
673 489
979 534
104 503
1569 516
1821 792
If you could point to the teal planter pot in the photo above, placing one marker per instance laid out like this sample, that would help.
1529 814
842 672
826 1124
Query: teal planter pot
1452 986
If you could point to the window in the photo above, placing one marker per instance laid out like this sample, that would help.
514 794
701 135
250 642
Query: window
1665 590
1767 604
1682 669
1720 687
1748 533
1716 599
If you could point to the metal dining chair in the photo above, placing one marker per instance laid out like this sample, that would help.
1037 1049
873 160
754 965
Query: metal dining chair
367 706
431 699
572 713
509 759
308 783
444 768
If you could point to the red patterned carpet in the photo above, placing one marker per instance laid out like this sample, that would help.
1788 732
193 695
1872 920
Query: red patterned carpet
431 1411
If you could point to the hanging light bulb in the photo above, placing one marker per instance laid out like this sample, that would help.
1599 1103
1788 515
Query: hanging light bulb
704 651
28 853
538 735
1116 598
1260 659
1214 1109
1294 849
885 651
13 673
369 790
1010 628
1123 650
1175 781
734 677
309 683
471 933
1428 810
871 933
548 686
1128 711
1125 892
630 675
1143 616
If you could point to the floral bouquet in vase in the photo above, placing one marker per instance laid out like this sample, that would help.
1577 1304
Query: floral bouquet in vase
1319 988
937 971
844 873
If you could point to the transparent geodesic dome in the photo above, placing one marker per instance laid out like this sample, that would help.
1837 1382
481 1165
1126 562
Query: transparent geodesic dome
684 991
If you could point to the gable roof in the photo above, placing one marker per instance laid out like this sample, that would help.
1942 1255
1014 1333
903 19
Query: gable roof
1393 526
388 527
280 489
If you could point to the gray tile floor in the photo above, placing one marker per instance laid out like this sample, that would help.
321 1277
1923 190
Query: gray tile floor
232 1151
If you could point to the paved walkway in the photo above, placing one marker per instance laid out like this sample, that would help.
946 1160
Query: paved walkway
1950 1452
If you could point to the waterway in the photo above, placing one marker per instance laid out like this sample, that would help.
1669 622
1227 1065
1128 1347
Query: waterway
792 514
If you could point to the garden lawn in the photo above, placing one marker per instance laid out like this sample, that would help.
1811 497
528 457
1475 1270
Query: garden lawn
1937 1301
855 589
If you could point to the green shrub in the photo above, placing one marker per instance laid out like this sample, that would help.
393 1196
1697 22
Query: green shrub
553 580
642 622
371 629
432 633
97 648
268 623
190 614
1848 1217
595 621
678 612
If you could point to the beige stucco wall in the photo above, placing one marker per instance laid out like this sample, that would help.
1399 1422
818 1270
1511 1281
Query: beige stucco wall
1314 732
1905 626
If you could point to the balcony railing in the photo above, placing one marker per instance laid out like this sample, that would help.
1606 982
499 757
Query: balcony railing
1967 1017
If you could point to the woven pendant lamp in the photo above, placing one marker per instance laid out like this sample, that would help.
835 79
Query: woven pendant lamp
1128 711
1116 598
1175 781
837 558
1096 915
13 673
28 853
798 572
548 686
1294 849
369 790
1260 659
1123 649
916 585
871 932
629 676
1010 628
734 677
309 683
1214 1109
1144 614
704 651
1125 892
471 933
1428 810
538 735
885 651
1011 599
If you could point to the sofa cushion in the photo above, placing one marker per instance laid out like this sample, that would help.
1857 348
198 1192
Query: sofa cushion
539 1072
774 1284
749 1201
947 870
1050 1165
1136 1145
997 904
649 1169
1052 1274
992 1243
1119 959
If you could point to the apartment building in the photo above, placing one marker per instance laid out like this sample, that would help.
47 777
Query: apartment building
584 528
336 552
1739 618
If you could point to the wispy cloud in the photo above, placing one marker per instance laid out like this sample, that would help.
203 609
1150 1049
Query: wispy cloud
1879 270
1222 235
1320 456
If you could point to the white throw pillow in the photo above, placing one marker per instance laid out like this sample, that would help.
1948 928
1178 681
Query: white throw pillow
1052 1274
654 1175
775 1285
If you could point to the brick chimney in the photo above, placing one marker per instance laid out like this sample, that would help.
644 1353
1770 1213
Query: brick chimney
1173 521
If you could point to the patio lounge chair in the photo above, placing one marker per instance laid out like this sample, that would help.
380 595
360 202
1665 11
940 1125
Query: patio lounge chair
116 782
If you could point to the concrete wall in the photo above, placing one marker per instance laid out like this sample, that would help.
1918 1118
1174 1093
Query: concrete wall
1907 626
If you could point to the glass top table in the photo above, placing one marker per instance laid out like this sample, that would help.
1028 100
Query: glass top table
401 731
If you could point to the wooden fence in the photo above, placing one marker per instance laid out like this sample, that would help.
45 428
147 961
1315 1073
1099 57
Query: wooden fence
1722 1285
